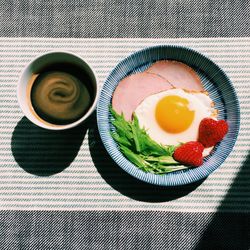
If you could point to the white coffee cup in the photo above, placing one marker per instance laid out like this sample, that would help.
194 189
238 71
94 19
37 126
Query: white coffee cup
36 66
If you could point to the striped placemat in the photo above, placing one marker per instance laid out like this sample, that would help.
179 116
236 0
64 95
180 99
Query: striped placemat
43 170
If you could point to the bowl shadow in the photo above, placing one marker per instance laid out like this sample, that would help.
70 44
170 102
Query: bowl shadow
124 183
45 152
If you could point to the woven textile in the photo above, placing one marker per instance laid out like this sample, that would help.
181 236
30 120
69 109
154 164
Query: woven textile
124 230
129 18
71 170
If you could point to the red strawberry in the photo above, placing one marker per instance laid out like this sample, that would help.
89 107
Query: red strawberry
189 153
211 131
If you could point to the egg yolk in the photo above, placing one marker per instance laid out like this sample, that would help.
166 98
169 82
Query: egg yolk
173 114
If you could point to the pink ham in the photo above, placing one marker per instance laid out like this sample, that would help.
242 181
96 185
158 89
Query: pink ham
133 89
177 74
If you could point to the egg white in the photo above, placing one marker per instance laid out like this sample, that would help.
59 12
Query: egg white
198 102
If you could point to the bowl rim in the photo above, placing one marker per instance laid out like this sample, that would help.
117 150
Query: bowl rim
125 164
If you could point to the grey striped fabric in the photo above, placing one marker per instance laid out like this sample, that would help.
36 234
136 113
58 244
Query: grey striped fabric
127 18
44 170
123 230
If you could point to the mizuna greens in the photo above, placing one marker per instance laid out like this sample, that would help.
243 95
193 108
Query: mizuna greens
140 149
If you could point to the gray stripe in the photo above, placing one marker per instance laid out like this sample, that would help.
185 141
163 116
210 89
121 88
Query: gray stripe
130 18
123 230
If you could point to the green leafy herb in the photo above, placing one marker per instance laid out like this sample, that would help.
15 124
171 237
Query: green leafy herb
140 149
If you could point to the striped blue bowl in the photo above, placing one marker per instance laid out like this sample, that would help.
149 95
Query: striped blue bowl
215 82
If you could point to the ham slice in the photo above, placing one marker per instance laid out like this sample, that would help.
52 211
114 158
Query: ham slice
133 89
177 74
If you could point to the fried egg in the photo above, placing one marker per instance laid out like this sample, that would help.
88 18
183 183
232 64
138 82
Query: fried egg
173 116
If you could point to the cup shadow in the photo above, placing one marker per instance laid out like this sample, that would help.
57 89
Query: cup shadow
124 183
45 152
